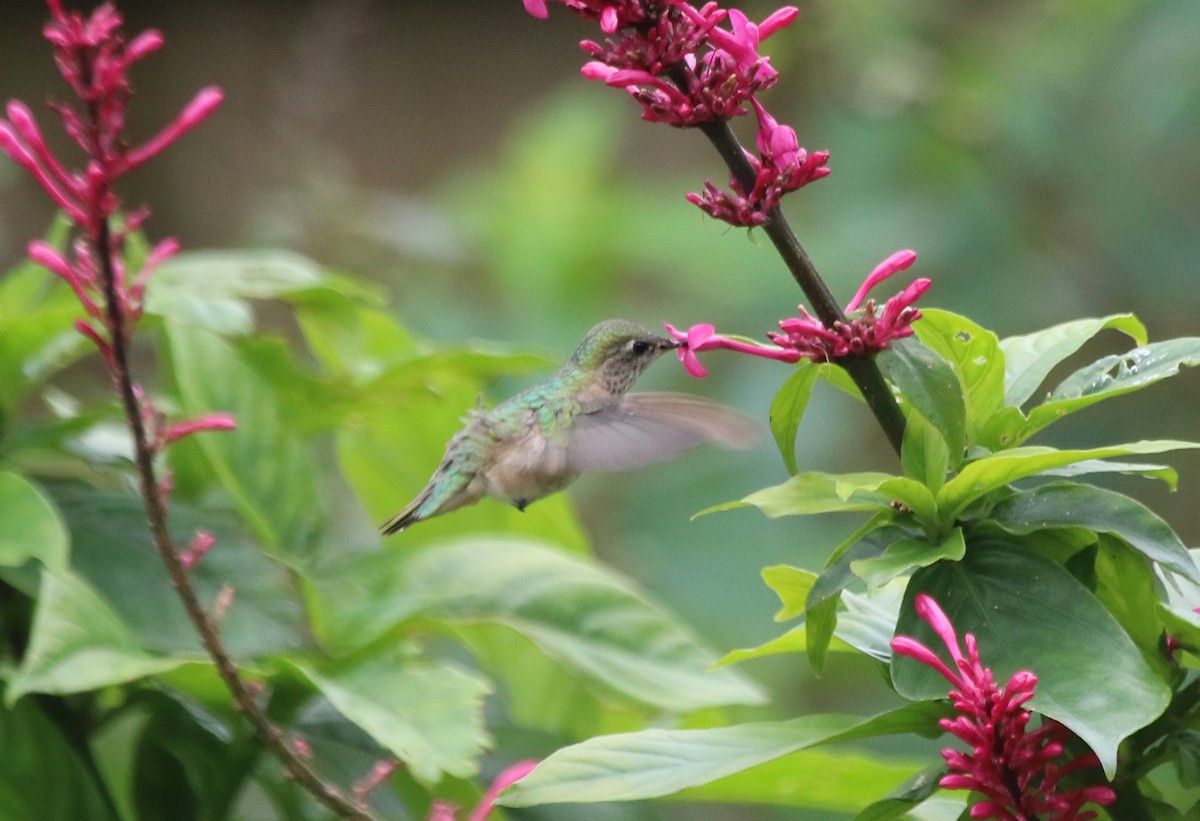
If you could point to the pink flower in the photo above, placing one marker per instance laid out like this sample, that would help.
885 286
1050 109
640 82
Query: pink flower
806 337
1014 769
94 58
443 811
865 334
201 543
703 338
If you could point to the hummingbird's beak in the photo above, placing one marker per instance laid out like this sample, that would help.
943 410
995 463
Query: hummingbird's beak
673 344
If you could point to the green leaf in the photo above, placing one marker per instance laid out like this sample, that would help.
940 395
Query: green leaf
430 716
1165 473
923 454
1028 613
78 643
905 554
113 552
577 612
1107 377
793 641
791 585
30 527
775 782
1126 585
930 386
1029 359
1067 504
43 776
209 289
974 354
652 763
266 468
808 493
787 410
912 792
989 473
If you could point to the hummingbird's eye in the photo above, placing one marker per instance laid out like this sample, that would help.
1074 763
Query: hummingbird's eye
639 347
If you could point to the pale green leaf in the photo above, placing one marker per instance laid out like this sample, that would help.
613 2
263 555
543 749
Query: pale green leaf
429 716
1028 359
78 643
791 585
787 409
30 526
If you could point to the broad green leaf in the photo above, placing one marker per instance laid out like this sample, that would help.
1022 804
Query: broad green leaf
266 468
1126 585
928 384
858 777
1063 504
1028 613
912 792
974 354
1028 359
579 613
787 410
653 763
905 554
113 552
78 643
793 641
1164 473
821 617
430 716
44 776
209 289
30 527
923 454
791 585
1107 377
808 493
989 473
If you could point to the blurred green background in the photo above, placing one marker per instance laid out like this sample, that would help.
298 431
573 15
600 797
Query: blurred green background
1041 156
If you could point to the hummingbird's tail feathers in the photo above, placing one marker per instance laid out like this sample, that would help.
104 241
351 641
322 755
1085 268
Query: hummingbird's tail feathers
644 428
409 515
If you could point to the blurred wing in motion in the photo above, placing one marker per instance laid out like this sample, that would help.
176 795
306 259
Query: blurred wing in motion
644 428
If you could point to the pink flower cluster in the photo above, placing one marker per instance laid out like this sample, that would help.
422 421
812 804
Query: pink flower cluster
94 59
686 69
1014 768
806 337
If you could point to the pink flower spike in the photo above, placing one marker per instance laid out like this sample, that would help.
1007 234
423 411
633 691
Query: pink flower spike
898 261
537 8
596 70
212 421
45 255
197 111
936 618
505 779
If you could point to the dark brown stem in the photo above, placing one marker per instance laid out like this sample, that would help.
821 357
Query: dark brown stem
862 370
156 517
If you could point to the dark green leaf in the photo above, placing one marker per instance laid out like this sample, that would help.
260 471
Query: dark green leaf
928 384
78 643
912 792
1064 504
904 555
1029 613
787 410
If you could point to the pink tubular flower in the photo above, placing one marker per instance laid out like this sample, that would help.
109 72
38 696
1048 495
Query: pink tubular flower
806 337
865 334
443 811
704 338
1013 768
94 59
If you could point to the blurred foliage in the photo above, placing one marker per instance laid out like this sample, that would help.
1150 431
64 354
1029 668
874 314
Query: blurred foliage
455 157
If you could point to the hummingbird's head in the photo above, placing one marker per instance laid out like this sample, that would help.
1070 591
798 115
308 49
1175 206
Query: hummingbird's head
617 352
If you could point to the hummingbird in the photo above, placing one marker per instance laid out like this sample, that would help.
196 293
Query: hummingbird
581 419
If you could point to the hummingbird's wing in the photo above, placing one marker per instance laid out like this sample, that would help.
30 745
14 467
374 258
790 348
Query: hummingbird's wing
643 428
